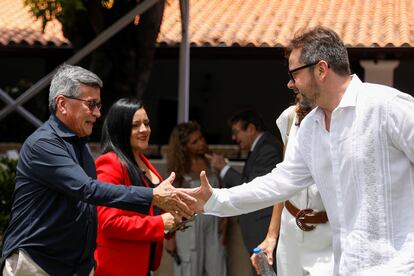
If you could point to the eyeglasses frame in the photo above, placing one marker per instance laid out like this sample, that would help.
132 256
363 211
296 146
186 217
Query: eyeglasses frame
91 104
290 72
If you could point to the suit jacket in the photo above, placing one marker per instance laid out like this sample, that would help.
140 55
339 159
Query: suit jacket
124 237
266 154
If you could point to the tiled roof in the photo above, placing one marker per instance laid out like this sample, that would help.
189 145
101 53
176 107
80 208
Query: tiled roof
271 23
18 26
257 23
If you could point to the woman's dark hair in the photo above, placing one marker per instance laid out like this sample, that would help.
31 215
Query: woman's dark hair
116 133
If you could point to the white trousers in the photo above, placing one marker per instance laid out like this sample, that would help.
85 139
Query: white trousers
21 264
302 253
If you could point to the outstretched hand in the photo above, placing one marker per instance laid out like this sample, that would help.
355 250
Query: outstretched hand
201 194
167 197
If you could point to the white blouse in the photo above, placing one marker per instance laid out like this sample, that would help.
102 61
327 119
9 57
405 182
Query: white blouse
364 170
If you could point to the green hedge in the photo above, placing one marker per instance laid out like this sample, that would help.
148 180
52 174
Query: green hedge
7 181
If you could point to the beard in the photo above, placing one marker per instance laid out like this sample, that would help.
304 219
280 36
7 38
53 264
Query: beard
305 104
312 95
302 102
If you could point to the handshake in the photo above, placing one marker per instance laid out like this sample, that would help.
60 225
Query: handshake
182 202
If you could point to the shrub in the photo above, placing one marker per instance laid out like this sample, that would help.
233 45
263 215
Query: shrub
7 181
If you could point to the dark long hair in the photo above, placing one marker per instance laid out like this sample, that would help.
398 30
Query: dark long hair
116 133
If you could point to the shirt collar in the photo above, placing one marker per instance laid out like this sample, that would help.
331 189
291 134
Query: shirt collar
256 140
350 96
349 99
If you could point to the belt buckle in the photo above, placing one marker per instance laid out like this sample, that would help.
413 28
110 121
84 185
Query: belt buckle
300 220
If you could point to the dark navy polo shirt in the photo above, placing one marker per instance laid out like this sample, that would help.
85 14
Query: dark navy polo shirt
53 216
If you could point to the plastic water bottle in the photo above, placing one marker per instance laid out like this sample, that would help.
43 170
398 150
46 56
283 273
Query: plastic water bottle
264 268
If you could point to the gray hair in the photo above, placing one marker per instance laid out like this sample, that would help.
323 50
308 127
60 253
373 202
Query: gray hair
321 43
67 81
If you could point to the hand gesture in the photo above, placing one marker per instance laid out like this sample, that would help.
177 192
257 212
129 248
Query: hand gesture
171 199
201 194
217 161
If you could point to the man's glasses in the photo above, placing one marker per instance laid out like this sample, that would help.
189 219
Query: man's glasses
91 104
290 72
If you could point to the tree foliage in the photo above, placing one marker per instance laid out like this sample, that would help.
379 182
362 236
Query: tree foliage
125 61
48 10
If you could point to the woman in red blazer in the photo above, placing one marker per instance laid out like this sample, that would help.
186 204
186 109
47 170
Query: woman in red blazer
128 243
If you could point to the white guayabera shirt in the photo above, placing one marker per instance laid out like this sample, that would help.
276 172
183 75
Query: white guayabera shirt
364 170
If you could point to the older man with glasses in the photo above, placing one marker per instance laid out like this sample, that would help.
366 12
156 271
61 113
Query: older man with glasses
53 221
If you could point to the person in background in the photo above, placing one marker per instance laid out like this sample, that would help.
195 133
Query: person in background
265 151
200 247
53 222
303 247
128 243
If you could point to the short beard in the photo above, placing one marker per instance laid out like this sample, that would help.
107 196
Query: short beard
316 93
304 105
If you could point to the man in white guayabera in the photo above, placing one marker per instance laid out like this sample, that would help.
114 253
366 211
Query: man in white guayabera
357 145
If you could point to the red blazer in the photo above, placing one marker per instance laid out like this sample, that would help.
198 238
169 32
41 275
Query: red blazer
124 237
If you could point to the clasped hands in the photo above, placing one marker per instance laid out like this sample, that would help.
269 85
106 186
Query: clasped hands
182 202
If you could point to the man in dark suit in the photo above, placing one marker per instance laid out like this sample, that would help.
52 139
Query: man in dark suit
265 151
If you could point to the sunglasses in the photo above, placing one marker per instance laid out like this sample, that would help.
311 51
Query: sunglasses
91 104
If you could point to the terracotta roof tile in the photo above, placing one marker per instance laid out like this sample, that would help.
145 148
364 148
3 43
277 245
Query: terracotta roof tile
258 23
270 23
18 26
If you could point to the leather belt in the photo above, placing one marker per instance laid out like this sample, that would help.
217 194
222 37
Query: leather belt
305 216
